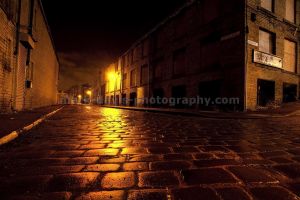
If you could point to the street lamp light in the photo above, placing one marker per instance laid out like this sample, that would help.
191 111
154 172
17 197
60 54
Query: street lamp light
79 97
113 79
89 93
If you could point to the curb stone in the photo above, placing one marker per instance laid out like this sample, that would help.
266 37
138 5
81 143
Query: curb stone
204 115
15 134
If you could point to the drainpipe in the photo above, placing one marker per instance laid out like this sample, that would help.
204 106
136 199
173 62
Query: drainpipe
246 30
30 28
18 27
16 52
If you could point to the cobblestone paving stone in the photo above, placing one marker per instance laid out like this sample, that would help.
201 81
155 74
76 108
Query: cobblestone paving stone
88 152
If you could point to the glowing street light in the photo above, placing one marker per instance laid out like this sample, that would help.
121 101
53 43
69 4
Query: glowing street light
89 93
113 78
79 98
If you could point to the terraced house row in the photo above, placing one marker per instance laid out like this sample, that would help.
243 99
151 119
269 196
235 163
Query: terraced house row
247 49
28 62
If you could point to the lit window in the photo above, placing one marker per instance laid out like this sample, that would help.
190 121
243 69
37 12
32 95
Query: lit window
289 63
267 4
290 10
267 42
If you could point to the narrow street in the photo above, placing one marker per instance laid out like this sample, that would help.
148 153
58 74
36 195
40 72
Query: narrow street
88 152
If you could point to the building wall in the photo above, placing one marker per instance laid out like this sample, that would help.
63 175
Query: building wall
211 43
36 62
275 23
217 45
7 60
45 65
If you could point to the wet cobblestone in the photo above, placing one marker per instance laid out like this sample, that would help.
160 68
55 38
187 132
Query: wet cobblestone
88 152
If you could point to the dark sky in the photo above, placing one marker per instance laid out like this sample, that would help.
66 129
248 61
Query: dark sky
90 34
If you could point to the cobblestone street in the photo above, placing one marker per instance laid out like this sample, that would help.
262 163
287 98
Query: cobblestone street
88 152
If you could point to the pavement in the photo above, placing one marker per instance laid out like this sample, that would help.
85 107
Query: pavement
91 152
15 121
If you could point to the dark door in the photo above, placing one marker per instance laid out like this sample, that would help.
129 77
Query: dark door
179 92
158 93
265 92
117 103
132 101
124 100
209 90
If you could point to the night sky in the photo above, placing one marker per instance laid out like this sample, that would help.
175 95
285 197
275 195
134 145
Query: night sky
91 34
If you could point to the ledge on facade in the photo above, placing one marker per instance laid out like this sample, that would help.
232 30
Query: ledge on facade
290 23
27 40
267 12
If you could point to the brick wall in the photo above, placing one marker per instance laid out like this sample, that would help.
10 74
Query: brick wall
43 60
45 65
7 61
275 23
187 31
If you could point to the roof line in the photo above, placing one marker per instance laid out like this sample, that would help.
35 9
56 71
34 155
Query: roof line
170 17
49 30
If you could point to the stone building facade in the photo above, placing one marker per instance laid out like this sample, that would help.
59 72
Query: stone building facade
29 63
214 49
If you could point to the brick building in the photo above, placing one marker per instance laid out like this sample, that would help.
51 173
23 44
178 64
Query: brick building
213 48
29 64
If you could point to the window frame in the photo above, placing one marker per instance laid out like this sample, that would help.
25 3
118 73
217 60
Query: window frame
295 12
296 55
273 40
133 82
176 54
272 6
143 80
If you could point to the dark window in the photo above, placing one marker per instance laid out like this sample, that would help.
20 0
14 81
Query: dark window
179 62
158 67
289 92
144 74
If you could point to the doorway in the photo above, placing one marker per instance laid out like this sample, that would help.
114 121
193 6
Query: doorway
265 92
179 92
132 100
